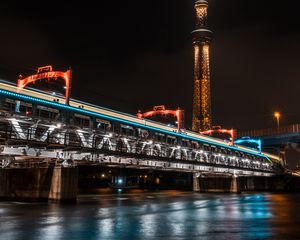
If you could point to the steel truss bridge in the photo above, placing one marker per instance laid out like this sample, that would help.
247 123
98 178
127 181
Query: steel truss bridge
27 141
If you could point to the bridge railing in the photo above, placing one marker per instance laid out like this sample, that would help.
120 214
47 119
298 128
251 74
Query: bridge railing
16 134
294 128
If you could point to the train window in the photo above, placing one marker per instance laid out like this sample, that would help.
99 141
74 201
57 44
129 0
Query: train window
171 140
103 125
126 130
159 137
81 120
25 108
223 150
206 147
123 131
47 113
195 145
116 128
143 133
185 143
214 149
9 104
22 107
237 154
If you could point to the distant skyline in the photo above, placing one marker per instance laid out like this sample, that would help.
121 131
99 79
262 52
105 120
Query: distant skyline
131 55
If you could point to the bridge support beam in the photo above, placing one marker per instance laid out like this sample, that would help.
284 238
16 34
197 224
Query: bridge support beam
196 182
259 183
64 184
234 188
215 183
39 183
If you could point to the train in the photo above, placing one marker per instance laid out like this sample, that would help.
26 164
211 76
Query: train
52 106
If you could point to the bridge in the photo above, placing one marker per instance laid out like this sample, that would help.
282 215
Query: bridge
25 137
277 140
46 136
275 136
51 132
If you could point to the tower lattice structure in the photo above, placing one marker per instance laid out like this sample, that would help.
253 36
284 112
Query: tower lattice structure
202 36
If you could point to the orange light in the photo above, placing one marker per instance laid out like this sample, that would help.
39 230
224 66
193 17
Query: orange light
161 110
47 73
277 114
219 130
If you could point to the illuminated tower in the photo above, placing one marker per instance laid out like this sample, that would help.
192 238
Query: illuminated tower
201 40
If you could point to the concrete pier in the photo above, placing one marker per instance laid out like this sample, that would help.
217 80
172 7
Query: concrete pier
39 184
237 184
234 187
64 184
215 183
196 182
259 183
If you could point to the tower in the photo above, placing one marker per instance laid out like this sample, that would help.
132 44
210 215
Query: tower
201 120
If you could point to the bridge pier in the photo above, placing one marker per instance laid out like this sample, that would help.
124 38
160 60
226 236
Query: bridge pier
64 184
215 183
196 182
260 183
234 187
39 183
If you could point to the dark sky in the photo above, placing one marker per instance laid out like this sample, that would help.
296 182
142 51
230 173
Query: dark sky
131 55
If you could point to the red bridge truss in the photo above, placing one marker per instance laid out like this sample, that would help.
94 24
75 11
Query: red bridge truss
161 110
218 129
47 73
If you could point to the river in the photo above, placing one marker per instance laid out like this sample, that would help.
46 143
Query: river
155 215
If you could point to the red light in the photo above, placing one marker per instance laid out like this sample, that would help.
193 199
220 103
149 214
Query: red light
161 110
231 132
46 72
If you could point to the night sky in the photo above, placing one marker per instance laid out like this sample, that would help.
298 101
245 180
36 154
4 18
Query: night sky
131 55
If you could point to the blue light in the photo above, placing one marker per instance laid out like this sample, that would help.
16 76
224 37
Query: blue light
250 140
120 181
80 110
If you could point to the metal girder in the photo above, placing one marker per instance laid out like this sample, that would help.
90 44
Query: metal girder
52 141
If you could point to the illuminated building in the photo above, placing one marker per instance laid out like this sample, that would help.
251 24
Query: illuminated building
201 120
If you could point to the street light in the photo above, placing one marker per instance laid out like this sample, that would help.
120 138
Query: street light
277 116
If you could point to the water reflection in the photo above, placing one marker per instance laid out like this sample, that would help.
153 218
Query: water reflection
163 215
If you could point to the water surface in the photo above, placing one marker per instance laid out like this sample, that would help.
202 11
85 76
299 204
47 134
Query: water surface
156 215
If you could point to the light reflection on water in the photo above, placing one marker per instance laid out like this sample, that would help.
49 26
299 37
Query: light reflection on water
156 215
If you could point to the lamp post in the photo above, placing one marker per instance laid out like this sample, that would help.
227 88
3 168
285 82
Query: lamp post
277 116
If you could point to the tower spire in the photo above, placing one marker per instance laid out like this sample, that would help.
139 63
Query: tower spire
201 120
